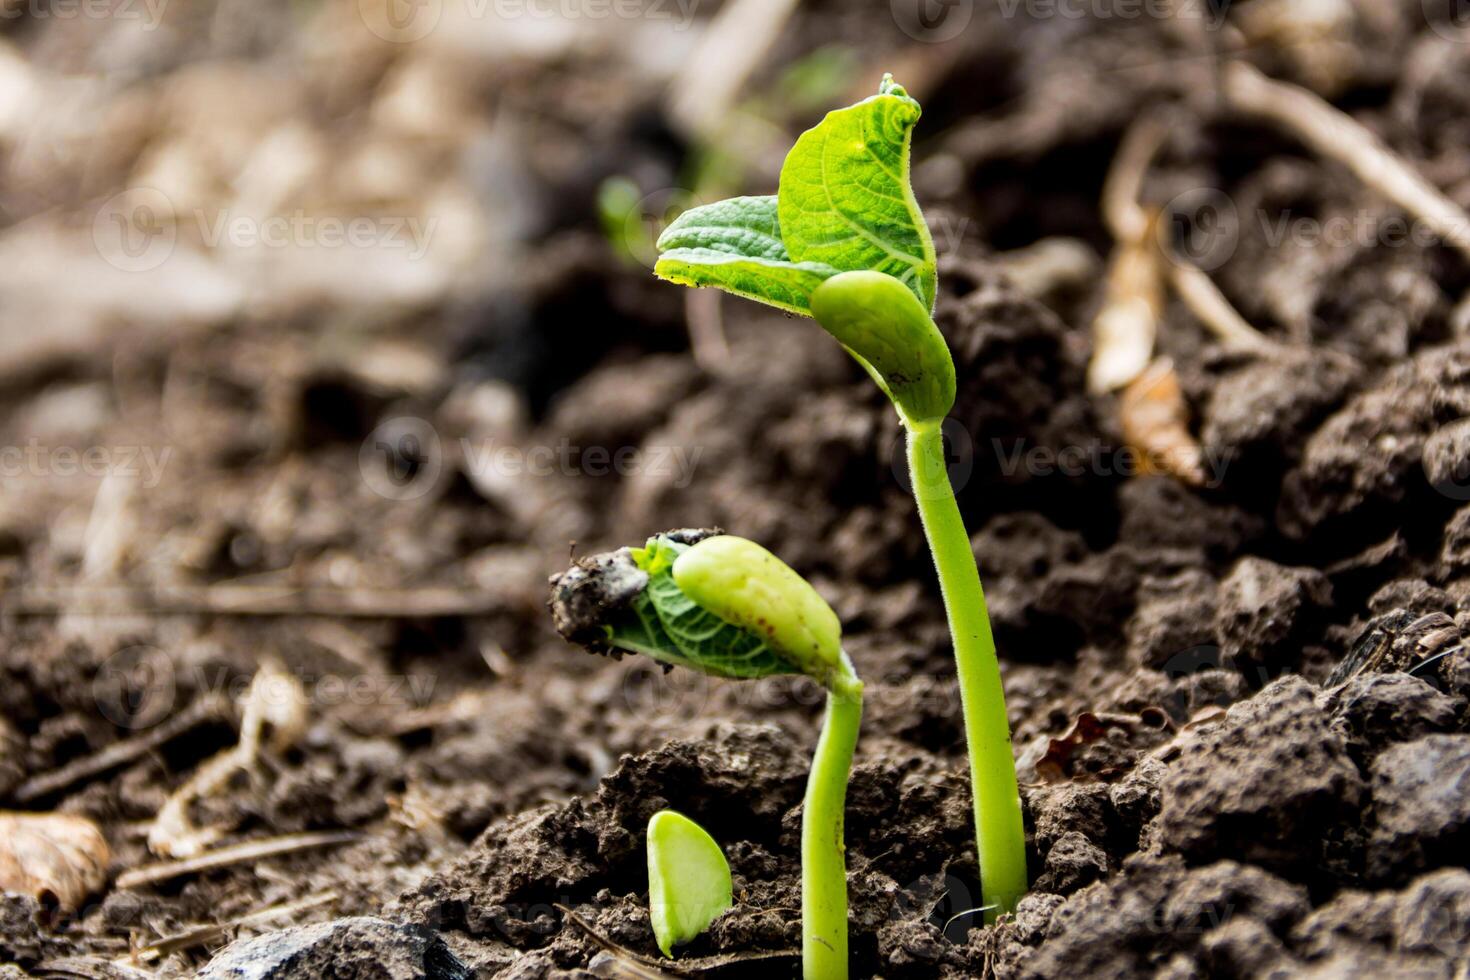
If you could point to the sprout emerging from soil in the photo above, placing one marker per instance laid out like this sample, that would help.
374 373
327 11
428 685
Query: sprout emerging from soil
688 880
843 241
725 606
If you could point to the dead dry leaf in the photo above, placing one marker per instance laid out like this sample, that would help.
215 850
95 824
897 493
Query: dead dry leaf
55 858
1055 766
1127 325
1155 422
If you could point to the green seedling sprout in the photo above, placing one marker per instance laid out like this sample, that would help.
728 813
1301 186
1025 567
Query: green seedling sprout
727 607
843 241
688 880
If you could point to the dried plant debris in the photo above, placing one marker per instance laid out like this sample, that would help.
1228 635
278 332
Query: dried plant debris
1155 422
56 858
1057 762
1338 136
1127 325
274 702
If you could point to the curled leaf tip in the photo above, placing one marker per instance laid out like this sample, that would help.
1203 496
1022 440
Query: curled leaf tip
889 87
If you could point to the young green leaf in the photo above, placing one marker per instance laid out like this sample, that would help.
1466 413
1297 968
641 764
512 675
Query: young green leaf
736 245
744 226
886 328
845 199
666 624
747 586
688 880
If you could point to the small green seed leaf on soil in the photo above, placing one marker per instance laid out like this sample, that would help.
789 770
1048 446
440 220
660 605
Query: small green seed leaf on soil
845 199
688 879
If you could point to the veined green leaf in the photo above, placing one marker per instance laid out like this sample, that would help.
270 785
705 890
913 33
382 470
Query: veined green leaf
787 285
744 226
667 625
845 199
736 245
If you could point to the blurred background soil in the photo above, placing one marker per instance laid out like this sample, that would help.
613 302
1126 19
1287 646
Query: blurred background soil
328 332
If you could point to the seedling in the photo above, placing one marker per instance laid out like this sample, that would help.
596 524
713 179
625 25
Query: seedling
843 241
727 607
688 879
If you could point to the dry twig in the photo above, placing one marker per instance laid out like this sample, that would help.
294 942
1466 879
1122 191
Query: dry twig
224 857
120 753
1338 136
190 938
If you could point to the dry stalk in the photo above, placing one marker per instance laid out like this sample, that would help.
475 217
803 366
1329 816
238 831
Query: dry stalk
1336 135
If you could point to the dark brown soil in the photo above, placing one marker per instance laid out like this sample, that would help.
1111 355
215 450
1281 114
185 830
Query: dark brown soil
1240 711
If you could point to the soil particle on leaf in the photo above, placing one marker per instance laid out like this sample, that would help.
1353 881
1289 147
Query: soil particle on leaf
1261 784
592 592
1421 802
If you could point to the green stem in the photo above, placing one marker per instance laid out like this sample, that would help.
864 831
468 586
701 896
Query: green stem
1000 836
823 865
